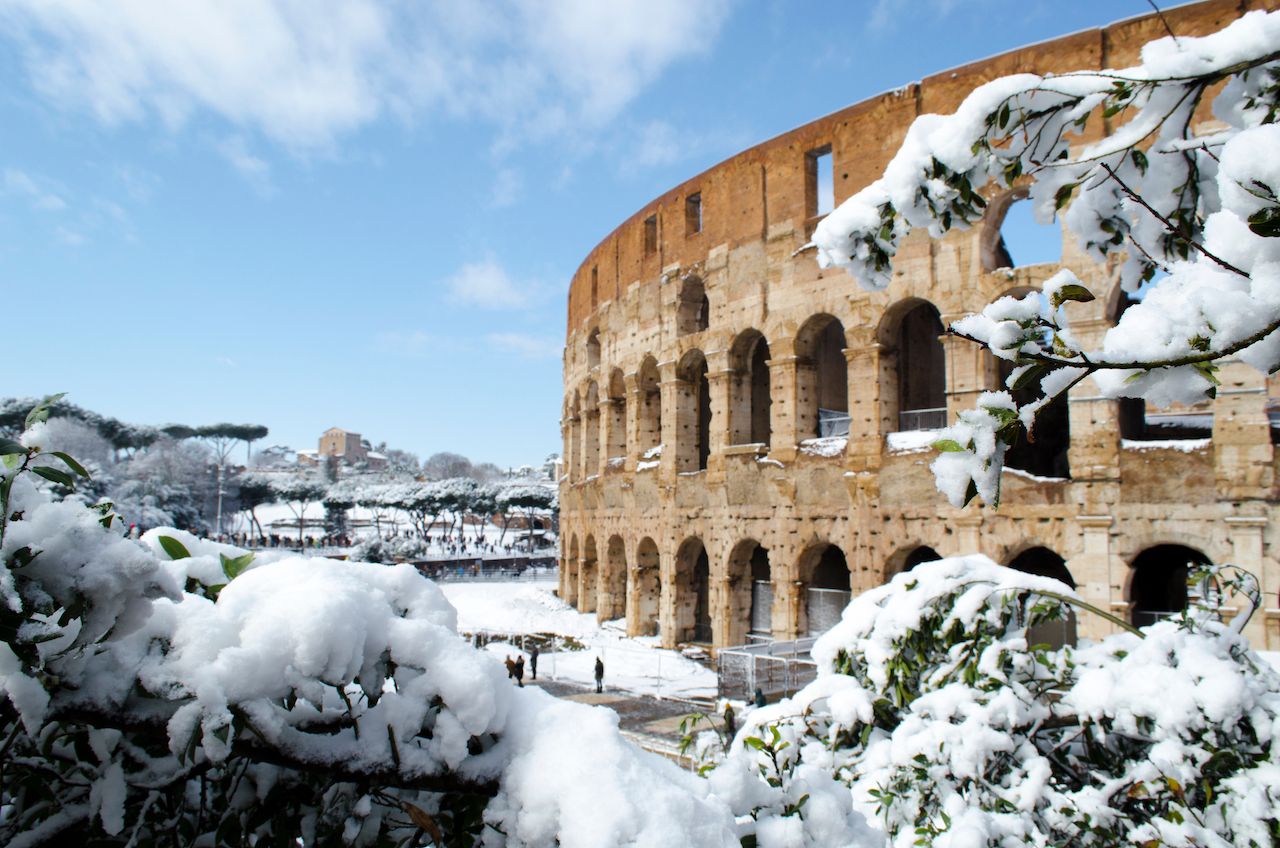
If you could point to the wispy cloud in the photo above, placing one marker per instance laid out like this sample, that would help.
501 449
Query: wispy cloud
508 185
38 191
408 344
487 284
527 346
305 74
253 168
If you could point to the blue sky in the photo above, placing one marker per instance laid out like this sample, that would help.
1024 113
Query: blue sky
364 214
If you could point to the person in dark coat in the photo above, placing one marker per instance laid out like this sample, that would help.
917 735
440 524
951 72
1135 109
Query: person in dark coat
730 723
759 696
520 671
533 662
599 675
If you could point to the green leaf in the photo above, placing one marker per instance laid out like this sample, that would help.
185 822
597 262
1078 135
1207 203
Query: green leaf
948 446
1063 196
970 493
54 475
1030 376
41 410
1139 160
754 742
234 567
174 548
71 463
9 446
1072 292
1266 222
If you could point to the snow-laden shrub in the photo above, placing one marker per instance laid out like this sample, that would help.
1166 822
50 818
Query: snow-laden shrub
932 714
176 691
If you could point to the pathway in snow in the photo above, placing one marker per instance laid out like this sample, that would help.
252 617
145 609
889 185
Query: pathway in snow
632 665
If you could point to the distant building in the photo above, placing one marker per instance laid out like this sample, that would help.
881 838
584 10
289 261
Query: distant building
345 447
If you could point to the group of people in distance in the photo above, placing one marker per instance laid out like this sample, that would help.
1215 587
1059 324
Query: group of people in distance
515 668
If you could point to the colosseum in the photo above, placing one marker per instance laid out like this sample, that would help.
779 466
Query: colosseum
746 436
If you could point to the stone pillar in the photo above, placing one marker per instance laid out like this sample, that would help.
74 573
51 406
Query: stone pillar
1094 451
720 601
788 598
1245 533
607 425
868 422
669 389
968 533
719 382
634 624
667 601
1242 450
783 370
1099 580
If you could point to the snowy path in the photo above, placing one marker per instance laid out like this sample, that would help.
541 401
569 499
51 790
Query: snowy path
632 665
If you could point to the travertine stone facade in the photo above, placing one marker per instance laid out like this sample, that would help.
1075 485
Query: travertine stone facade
707 353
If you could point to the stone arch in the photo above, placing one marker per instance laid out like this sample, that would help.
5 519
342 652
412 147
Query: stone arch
692 592
693 308
575 438
917 364
908 557
593 348
648 407
1158 581
588 577
1006 243
750 602
644 590
569 576
1043 562
749 390
822 378
693 413
824 572
591 430
612 602
617 429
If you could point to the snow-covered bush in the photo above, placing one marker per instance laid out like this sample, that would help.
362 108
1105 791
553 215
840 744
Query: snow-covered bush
1166 189
949 729
174 690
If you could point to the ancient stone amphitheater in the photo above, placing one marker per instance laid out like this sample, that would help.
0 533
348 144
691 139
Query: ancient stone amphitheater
746 435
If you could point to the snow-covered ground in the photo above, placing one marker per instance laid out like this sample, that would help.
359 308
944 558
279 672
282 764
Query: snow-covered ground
631 664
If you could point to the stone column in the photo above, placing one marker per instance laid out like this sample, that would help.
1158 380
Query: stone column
970 371
1099 580
669 389
1245 533
1094 421
868 422
667 601
968 533
719 383
1242 450
605 415
783 371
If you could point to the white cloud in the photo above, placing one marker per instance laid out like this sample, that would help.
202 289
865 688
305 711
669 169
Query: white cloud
529 347
253 168
305 72
488 285
34 189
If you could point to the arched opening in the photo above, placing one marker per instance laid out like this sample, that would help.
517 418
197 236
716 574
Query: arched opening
649 411
1043 562
693 310
693 592
588 577
593 348
1013 238
822 379
693 413
591 431
1158 582
751 594
1044 451
617 447
829 587
922 364
749 394
613 581
646 589
569 580
919 555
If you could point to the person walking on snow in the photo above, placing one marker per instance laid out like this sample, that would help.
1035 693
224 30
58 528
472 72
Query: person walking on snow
599 675
520 671
533 662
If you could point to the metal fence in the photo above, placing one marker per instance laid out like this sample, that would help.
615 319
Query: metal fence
472 569
922 419
775 668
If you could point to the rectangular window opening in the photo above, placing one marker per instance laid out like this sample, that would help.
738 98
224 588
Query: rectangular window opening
651 235
820 185
693 214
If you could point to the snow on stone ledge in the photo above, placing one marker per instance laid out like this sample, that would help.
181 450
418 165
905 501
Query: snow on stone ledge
1184 445
830 446
913 441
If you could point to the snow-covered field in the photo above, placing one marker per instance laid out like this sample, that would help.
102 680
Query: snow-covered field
631 664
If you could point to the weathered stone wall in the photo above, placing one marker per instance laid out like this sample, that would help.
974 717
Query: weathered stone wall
633 522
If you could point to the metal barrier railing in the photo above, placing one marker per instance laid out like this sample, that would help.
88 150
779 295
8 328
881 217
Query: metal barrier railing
922 419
